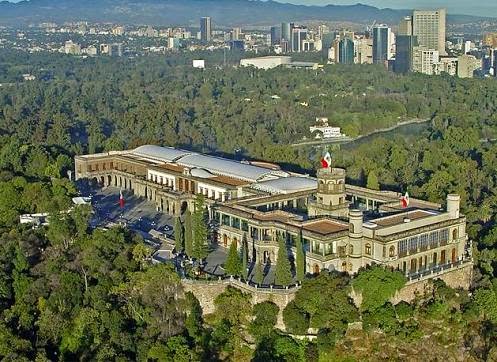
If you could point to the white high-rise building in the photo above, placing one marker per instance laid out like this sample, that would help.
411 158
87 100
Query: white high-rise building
425 60
429 27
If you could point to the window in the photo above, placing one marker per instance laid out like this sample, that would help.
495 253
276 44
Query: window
402 247
434 259
414 265
442 257
413 244
423 241
454 234
244 225
225 219
444 236
368 249
351 249
434 239
235 222
391 251
341 251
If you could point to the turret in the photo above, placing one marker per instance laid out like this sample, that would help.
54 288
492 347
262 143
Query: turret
355 223
330 196
453 205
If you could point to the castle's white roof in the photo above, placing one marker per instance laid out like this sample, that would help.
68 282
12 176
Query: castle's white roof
286 185
206 164
158 153
230 168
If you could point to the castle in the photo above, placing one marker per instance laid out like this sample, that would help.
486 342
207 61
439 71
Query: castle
343 227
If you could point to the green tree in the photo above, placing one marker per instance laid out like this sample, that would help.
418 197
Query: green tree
244 266
233 263
258 273
200 231
299 259
188 234
178 235
265 318
372 182
377 285
283 275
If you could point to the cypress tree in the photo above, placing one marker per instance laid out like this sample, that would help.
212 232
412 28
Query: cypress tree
178 235
299 259
200 231
244 257
283 268
188 234
258 273
232 265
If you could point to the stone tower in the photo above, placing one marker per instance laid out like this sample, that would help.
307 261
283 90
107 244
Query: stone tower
330 197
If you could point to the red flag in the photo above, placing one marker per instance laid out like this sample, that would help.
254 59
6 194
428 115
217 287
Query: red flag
326 160
404 200
121 199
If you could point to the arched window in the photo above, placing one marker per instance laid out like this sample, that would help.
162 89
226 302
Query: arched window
350 267
368 249
351 249
454 234
391 251
344 266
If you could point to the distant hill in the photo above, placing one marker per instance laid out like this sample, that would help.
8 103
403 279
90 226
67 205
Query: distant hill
181 12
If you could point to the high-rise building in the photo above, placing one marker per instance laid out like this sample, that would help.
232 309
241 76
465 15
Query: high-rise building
467 65
286 32
381 44
275 35
493 62
298 37
425 60
236 34
205 29
405 26
490 40
403 58
447 65
363 51
429 27
346 51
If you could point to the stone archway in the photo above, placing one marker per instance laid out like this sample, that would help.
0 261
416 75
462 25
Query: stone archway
315 269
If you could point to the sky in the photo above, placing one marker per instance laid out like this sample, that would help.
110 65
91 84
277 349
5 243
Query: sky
475 7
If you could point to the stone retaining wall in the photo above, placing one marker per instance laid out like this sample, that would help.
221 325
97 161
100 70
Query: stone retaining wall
207 291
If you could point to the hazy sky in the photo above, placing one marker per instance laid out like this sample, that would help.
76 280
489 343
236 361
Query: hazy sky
475 7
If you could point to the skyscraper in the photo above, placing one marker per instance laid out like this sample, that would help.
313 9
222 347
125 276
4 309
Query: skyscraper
275 35
429 27
381 44
205 29
286 32
298 37
405 43
403 58
346 51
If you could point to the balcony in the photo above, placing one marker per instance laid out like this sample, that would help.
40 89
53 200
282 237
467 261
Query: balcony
433 271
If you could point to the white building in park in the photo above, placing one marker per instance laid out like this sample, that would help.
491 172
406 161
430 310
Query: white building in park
322 129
